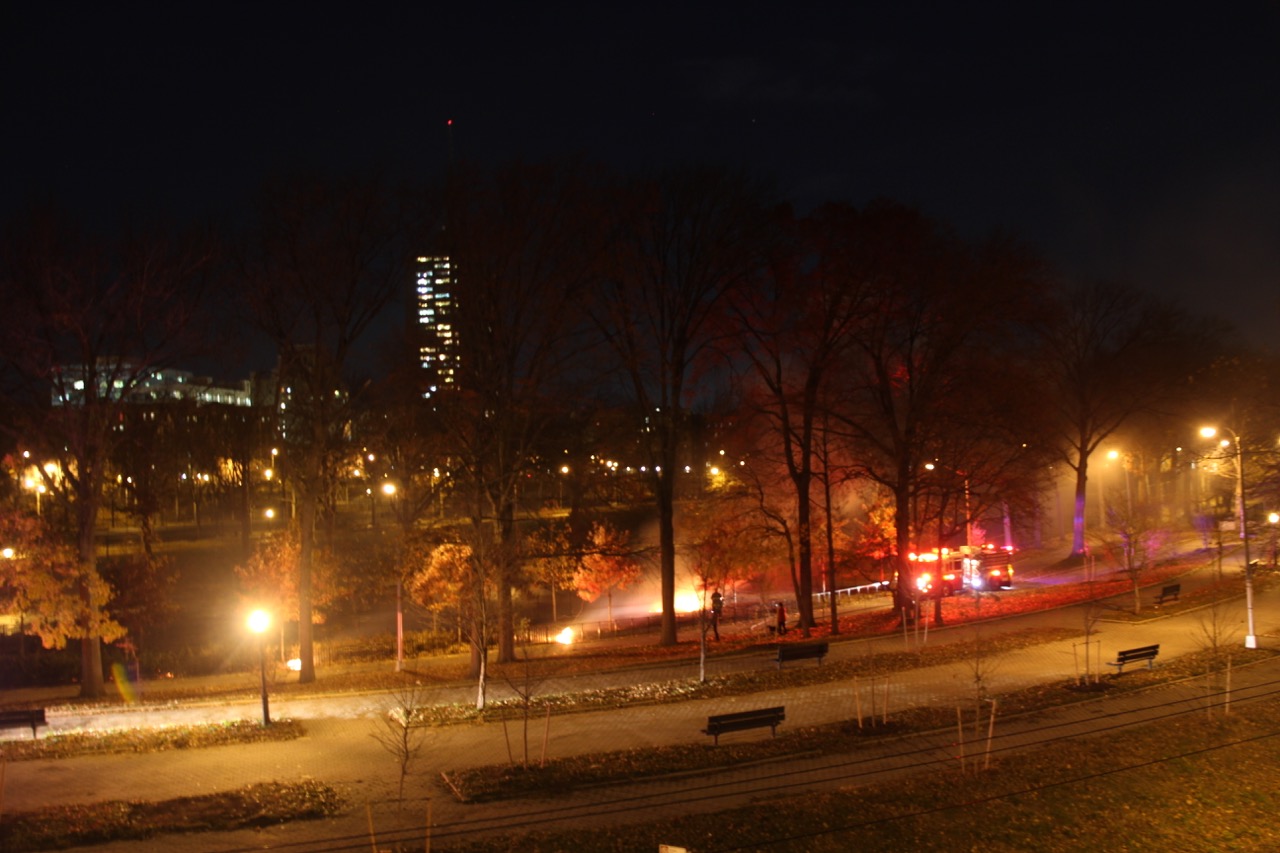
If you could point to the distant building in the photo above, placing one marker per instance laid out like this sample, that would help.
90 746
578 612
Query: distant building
437 353
121 379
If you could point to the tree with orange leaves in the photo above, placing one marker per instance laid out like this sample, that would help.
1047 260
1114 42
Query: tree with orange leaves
608 564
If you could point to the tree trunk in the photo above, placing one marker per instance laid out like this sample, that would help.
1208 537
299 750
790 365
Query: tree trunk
804 589
667 547
1077 521
92 683
831 549
482 681
306 553
903 598
506 583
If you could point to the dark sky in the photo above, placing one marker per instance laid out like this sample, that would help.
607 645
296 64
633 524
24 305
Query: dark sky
1129 141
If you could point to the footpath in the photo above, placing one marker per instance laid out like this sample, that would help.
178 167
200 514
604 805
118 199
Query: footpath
339 748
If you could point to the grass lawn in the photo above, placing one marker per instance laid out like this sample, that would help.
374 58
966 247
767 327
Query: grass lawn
62 827
1197 783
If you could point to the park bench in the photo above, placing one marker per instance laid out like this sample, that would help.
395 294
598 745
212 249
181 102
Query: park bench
1169 593
743 720
31 717
1142 653
801 651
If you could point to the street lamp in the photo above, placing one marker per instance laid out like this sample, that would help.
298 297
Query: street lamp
1251 638
36 488
259 621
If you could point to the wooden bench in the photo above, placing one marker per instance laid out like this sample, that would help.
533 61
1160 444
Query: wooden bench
1169 593
31 717
743 720
1142 653
802 651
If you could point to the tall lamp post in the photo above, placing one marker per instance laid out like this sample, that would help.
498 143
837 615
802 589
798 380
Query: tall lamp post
1250 638
259 621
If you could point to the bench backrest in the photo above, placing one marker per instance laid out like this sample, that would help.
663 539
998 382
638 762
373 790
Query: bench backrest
801 651
758 714
1141 652
26 716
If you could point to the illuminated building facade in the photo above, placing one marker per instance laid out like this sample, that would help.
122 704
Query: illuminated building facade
113 379
437 352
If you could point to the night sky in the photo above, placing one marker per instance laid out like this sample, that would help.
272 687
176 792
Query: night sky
1128 142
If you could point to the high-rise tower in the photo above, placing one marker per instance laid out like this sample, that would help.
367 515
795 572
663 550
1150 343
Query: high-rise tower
438 350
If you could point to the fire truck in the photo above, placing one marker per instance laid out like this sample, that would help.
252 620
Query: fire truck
946 572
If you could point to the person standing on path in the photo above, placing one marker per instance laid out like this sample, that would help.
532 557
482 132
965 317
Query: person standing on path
782 618
717 607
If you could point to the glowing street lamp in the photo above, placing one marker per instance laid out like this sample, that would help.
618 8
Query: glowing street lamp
1272 518
36 488
1251 638
259 622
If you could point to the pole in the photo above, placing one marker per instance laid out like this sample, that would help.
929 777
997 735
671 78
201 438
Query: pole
262 660
1251 638
399 628
968 516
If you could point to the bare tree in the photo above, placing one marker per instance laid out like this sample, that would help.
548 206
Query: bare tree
1216 635
683 242
326 260
526 686
519 242
89 322
1110 352
401 730
944 321
796 326
1135 542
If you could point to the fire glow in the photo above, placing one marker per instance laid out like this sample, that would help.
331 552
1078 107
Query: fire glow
687 601
565 637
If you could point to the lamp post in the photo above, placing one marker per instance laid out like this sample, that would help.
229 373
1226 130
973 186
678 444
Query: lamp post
37 489
1250 638
259 621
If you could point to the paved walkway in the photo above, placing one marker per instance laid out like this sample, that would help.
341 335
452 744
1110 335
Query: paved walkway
339 748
